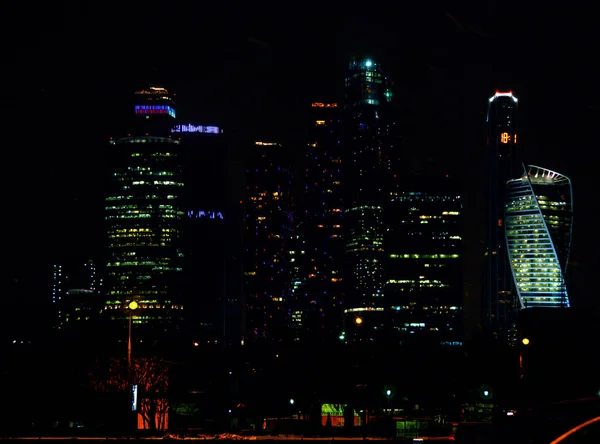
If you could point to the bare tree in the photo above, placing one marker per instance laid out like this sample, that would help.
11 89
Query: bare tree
151 375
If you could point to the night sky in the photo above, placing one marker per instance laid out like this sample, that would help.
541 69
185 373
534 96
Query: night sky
71 71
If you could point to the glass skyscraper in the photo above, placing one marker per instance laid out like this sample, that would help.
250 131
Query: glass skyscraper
211 236
504 164
75 290
267 227
539 219
316 251
366 128
143 218
424 291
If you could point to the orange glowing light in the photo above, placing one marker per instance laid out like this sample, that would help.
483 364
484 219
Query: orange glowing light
564 436
323 105
515 139
504 138
358 321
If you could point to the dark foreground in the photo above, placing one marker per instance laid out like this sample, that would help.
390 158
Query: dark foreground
262 439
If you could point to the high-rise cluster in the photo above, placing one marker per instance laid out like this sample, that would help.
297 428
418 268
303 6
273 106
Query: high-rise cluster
360 265
330 237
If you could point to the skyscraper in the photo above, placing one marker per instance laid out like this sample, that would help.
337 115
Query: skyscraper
316 249
205 238
267 228
211 234
424 251
504 163
539 220
143 218
76 287
366 127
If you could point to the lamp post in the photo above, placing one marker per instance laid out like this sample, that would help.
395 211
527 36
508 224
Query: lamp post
525 342
132 306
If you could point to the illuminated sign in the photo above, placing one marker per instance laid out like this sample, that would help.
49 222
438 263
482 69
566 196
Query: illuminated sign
505 138
189 128
134 397
266 143
205 214
323 105
154 109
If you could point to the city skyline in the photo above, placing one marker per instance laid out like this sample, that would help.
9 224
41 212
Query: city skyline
306 224
441 85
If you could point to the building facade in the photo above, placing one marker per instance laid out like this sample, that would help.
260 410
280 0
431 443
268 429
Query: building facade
316 248
76 290
504 164
365 133
143 218
211 236
424 282
268 225
539 221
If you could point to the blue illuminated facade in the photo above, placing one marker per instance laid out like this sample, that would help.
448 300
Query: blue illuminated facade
201 214
155 109
191 128
539 220
154 112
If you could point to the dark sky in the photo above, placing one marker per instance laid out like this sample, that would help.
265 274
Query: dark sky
72 66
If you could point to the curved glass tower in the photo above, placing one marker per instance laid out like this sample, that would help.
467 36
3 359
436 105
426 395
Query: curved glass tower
539 219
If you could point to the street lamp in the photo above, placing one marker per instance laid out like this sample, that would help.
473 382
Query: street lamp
525 342
132 306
